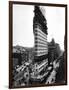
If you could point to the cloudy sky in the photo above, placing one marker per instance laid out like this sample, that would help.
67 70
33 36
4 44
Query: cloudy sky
23 24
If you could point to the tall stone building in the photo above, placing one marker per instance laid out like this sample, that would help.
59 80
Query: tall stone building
53 51
40 34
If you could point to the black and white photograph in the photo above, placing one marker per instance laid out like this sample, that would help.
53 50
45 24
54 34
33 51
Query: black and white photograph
38 45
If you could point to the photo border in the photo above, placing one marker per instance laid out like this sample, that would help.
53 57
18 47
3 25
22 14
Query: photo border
11 41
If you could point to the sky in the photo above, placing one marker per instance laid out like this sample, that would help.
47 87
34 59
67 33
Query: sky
23 24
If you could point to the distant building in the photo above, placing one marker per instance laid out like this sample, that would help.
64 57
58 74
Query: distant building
40 34
19 55
53 51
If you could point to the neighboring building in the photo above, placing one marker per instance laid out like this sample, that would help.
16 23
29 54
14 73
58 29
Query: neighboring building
20 55
40 35
53 51
17 59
